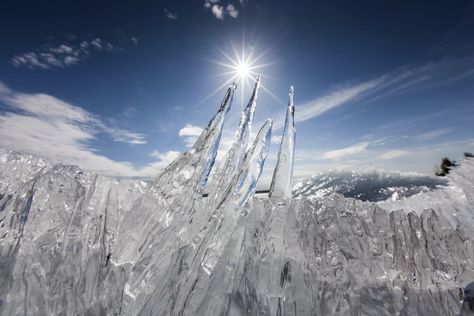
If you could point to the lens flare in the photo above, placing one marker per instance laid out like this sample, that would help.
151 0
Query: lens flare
243 70
242 67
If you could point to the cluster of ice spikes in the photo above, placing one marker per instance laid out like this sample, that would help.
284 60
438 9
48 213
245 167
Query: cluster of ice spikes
176 216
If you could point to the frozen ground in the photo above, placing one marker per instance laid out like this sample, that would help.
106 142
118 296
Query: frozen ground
73 242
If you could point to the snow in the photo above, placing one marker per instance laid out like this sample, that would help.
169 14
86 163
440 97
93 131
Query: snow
373 186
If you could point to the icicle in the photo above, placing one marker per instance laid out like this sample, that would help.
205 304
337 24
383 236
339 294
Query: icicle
281 181
196 164
253 165
233 159
175 190
211 260
243 184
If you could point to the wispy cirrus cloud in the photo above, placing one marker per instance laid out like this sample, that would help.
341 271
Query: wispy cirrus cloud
337 98
330 101
64 55
431 135
345 152
403 80
392 154
413 78
170 15
62 132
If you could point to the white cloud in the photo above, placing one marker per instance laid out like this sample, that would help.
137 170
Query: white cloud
61 49
60 56
218 11
276 139
70 60
190 133
97 43
29 60
392 154
209 3
49 127
221 11
190 130
164 159
431 135
51 60
84 45
122 135
344 152
232 11
109 47
50 108
170 15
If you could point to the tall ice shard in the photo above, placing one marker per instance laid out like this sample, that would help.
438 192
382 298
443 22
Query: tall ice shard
173 193
281 182
194 166
211 259
234 157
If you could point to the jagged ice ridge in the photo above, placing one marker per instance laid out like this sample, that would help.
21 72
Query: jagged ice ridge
73 242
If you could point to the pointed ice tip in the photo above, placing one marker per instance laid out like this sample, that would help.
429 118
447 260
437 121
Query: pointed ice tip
233 86
257 83
266 126
290 97
253 98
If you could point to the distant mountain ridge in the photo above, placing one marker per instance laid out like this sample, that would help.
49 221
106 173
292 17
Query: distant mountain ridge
373 186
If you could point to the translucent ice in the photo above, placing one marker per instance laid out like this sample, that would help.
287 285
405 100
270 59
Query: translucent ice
281 181
76 243
209 259
234 157
174 192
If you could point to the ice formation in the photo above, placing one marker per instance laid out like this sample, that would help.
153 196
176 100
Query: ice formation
281 181
74 243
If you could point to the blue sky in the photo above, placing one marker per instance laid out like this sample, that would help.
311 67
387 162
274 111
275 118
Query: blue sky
122 88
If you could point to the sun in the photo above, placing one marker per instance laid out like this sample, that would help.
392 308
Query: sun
243 68
240 67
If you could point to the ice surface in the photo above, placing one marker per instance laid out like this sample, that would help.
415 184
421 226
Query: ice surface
76 243
454 202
